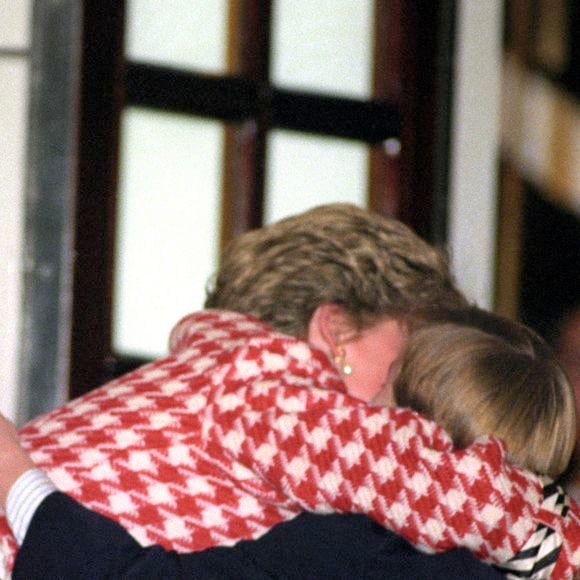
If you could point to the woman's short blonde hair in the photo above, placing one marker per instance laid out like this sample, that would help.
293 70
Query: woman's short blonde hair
339 253
501 380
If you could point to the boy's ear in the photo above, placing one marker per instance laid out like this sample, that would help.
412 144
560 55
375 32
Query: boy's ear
329 328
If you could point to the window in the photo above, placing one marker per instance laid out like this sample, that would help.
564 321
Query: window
208 125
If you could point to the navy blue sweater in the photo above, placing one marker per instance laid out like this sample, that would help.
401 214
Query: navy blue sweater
67 541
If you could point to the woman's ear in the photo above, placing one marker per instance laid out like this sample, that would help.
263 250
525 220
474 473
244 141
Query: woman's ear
329 328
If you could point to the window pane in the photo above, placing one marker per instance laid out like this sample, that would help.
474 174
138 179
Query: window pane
323 46
167 241
15 24
180 34
304 171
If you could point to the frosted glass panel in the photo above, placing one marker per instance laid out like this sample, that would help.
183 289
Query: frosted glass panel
304 171
179 34
323 46
15 24
167 243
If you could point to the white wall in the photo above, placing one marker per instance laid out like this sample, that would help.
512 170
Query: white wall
14 78
475 138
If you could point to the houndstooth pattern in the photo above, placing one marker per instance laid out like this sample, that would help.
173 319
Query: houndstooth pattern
538 557
241 428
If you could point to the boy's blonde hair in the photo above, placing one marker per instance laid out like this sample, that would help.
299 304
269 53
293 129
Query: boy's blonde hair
496 379
372 266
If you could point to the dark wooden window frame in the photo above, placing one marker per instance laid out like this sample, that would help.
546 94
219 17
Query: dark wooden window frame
411 103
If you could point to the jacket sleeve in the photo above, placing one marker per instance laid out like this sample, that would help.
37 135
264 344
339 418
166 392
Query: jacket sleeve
391 464
66 540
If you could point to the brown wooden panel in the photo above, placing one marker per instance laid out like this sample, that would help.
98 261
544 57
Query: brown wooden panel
413 70
384 167
100 102
370 121
245 144
239 99
230 98
509 240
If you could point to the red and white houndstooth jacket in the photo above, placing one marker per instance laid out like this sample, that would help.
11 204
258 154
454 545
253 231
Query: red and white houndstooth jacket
240 428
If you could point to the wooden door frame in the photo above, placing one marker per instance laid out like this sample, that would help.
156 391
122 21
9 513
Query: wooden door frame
413 74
